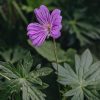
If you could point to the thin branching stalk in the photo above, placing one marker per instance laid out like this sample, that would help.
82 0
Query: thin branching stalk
55 53
5 76
56 58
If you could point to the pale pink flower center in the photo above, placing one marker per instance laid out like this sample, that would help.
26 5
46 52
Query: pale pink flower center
47 28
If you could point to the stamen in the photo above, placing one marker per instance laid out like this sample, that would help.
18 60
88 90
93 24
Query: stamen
47 28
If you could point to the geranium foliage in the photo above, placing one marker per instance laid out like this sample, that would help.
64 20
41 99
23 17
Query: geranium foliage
83 81
21 78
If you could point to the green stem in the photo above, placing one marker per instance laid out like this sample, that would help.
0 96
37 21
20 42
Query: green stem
56 58
64 98
5 76
55 52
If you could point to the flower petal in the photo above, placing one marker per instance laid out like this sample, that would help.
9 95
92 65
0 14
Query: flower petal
38 41
42 14
36 34
55 34
55 17
55 20
34 27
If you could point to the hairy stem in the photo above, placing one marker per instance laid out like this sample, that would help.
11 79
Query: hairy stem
56 58
55 53
5 76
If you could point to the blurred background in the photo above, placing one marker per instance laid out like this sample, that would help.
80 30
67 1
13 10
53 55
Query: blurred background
81 29
80 20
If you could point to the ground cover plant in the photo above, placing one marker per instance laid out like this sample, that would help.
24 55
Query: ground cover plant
49 50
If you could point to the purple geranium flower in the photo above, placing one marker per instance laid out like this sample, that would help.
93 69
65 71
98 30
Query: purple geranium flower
49 25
